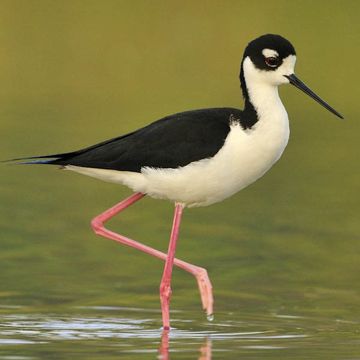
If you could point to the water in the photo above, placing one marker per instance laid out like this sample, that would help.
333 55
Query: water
113 332
283 255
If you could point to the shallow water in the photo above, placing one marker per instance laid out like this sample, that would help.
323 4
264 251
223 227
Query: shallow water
112 332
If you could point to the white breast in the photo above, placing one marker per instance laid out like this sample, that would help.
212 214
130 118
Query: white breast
245 156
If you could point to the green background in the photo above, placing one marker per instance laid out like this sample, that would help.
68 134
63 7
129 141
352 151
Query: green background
283 254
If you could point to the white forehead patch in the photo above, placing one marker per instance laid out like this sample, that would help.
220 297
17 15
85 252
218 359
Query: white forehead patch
270 53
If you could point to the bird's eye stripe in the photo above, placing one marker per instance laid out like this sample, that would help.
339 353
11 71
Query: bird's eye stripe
270 53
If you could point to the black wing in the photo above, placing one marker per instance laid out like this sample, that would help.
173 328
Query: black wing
171 142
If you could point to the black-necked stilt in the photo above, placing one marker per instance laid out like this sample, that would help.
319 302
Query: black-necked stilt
199 157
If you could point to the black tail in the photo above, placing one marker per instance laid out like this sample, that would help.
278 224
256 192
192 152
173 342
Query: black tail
55 159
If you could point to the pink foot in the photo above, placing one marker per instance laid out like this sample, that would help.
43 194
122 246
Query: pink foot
206 293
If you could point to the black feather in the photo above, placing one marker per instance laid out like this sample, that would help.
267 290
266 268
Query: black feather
170 142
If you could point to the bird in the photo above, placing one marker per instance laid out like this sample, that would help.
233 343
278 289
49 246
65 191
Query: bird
198 157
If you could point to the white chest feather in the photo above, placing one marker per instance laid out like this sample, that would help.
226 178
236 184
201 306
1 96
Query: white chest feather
245 156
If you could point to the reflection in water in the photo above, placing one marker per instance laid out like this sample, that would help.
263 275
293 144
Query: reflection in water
164 345
205 349
117 332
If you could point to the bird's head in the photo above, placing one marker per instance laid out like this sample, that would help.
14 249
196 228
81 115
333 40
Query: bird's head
269 60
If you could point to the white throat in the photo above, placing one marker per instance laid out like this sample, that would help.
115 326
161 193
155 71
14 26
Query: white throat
264 96
272 128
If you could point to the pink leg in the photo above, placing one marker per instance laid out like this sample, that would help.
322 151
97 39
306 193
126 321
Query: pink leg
200 274
165 286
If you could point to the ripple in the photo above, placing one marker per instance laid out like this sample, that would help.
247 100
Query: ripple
140 332
55 327
17 342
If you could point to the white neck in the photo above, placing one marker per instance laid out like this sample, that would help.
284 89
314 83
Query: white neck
263 96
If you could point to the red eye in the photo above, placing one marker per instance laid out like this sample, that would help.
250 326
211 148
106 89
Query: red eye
272 61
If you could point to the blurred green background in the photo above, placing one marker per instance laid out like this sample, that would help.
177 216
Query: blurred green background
74 73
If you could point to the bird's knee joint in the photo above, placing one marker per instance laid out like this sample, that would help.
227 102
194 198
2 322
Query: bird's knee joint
165 291
202 272
96 225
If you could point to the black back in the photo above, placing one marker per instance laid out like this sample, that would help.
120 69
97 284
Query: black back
170 142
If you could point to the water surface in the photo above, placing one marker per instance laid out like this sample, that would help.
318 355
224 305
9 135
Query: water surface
110 332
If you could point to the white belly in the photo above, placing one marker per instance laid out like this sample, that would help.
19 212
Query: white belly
245 157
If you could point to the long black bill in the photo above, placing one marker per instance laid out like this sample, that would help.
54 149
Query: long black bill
300 85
